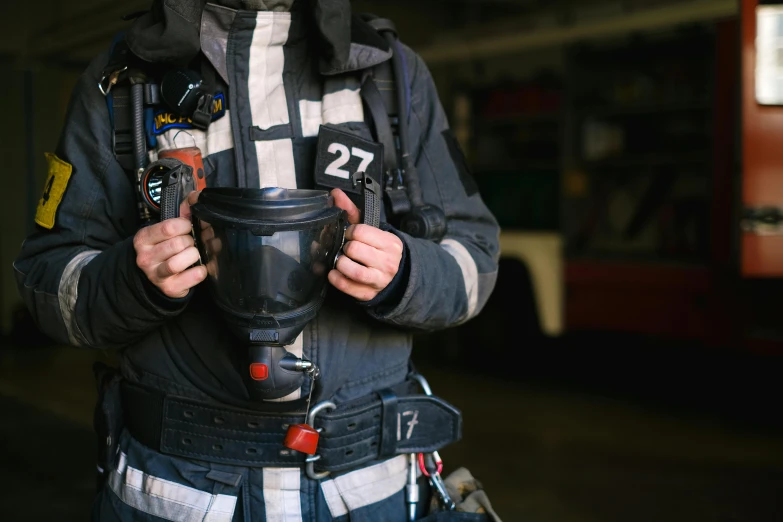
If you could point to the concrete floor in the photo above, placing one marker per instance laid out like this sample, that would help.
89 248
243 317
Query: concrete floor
546 450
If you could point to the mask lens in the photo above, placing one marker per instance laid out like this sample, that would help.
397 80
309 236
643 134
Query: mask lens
260 275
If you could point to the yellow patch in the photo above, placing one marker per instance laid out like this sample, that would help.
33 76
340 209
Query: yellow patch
56 183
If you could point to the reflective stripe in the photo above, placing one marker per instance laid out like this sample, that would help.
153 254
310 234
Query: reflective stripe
68 292
168 500
338 107
268 104
469 272
296 349
216 139
365 486
276 163
282 495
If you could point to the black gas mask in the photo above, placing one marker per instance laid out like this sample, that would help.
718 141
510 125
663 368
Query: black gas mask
267 253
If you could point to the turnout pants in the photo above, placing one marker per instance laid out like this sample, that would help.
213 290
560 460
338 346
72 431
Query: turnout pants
149 486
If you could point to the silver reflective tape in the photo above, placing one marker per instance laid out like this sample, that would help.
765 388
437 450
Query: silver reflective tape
276 167
68 292
333 499
365 486
268 103
469 272
282 495
168 500
338 107
217 138
297 349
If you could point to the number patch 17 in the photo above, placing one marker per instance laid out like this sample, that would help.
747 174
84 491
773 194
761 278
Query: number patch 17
340 155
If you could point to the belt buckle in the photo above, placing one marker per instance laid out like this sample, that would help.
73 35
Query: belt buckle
310 461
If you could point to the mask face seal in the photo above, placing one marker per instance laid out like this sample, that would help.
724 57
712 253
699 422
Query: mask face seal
267 253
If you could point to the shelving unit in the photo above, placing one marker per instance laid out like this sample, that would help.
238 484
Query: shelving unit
640 137
627 156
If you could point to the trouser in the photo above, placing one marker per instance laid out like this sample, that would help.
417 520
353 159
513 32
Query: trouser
149 486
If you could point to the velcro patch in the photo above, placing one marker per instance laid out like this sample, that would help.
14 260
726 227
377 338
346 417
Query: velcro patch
56 182
341 154
165 120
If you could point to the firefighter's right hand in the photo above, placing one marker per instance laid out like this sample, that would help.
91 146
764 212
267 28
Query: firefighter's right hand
164 252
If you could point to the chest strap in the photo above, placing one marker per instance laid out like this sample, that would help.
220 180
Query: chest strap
387 424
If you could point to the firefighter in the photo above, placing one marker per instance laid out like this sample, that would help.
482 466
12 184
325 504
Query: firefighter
182 438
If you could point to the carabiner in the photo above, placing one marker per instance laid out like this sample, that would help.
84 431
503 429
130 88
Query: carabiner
310 461
438 464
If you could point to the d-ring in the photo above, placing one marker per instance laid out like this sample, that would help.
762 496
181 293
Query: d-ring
310 461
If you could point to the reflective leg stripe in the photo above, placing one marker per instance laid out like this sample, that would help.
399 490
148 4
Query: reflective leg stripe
469 272
282 495
168 500
68 292
365 486
338 107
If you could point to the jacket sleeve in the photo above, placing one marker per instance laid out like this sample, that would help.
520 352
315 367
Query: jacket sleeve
79 279
449 282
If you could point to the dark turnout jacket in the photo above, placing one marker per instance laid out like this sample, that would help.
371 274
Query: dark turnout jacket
79 276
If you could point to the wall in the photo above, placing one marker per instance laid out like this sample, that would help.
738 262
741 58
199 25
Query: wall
25 137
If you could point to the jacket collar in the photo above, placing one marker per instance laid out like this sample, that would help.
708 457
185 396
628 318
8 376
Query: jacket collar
169 33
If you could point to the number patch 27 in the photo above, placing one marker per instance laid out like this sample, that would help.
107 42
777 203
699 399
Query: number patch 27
333 169
340 155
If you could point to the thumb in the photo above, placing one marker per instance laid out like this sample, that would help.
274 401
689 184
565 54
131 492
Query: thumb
190 200
345 203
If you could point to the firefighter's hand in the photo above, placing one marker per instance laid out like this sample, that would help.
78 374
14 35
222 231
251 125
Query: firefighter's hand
372 256
165 251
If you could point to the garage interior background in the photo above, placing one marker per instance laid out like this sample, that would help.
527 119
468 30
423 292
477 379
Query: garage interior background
634 315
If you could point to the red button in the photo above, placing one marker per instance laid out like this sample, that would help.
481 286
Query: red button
259 371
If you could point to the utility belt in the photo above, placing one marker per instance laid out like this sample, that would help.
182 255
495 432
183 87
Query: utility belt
391 422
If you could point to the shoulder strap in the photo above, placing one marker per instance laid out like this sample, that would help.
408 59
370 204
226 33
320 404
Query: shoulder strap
380 94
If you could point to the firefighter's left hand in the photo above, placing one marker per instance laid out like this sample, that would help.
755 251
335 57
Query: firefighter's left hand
371 256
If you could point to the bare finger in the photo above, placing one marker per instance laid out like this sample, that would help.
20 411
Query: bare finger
189 201
374 237
159 232
170 248
356 272
179 285
364 254
177 264
352 288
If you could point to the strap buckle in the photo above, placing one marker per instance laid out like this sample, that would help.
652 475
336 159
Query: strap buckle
310 461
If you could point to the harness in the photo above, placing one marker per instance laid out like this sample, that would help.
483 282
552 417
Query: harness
133 94
387 423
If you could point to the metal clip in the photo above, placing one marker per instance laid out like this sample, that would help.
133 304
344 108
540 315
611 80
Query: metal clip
436 481
110 80
440 488
310 461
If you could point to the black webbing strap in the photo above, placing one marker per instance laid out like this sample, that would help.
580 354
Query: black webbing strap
122 123
383 129
384 133
351 435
